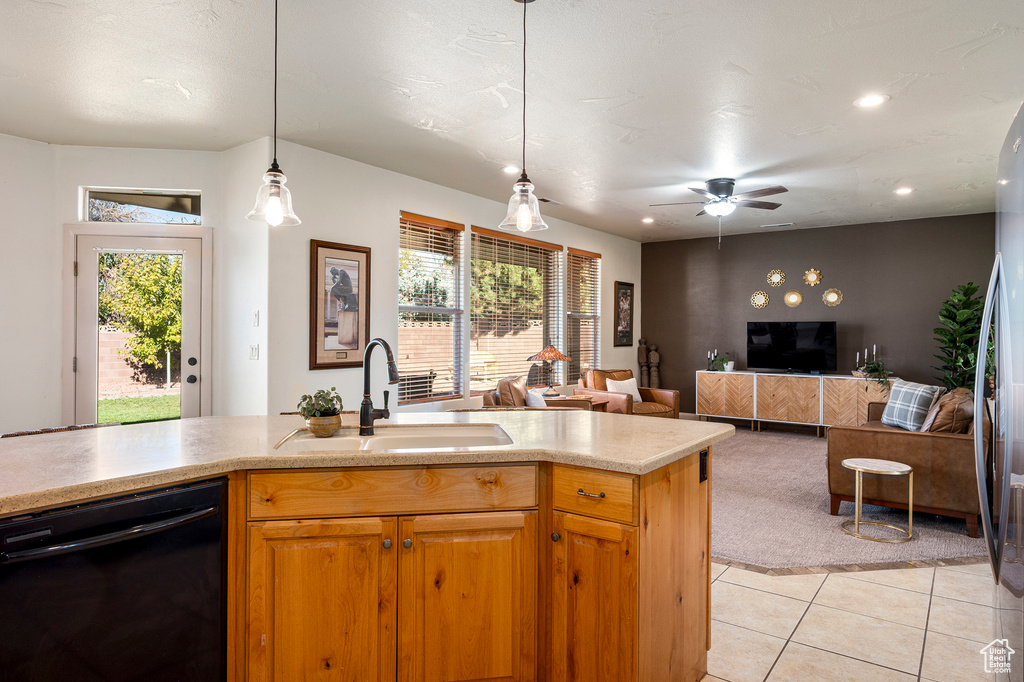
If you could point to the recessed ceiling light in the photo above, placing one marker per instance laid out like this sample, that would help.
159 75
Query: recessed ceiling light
511 170
903 190
1003 182
871 100
647 220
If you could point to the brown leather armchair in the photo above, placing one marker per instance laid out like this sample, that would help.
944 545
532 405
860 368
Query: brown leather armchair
511 392
657 402
945 477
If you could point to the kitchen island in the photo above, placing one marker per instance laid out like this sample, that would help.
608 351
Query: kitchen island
579 550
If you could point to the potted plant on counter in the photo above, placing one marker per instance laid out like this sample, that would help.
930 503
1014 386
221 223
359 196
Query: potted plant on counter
722 363
322 412
875 369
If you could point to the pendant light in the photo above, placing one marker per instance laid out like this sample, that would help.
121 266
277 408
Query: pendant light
273 200
523 207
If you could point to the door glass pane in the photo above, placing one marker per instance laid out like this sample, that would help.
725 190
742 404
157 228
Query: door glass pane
139 337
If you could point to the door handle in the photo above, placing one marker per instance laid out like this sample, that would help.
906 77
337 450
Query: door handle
110 538
192 379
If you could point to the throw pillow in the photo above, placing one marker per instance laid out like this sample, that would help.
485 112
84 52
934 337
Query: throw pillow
535 399
952 413
909 404
627 386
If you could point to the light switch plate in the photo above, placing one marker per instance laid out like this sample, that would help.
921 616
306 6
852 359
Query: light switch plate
256 318
254 351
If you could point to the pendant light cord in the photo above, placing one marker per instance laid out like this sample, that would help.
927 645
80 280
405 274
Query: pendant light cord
275 82
525 5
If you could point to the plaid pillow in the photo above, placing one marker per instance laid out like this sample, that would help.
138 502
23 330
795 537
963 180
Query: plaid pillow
909 404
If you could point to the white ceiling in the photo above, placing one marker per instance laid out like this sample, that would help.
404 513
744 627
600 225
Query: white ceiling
629 101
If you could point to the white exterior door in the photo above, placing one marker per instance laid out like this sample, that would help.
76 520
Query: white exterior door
88 251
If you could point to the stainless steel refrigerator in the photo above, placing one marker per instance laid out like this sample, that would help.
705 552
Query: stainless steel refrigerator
1001 467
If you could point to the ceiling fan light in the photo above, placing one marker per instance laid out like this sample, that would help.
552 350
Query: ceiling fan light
523 210
274 201
719 208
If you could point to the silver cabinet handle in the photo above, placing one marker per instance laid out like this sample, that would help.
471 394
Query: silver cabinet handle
387 544
586 494
407 543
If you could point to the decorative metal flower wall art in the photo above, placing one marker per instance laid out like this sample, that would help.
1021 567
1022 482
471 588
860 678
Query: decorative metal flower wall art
776 278
812 277
793 298
759 299
832 297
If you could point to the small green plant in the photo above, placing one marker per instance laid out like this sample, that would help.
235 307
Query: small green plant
960 317
323 403
718 362
875 369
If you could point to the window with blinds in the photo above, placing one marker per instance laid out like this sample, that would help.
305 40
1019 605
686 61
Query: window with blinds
583 313
514 309
429 309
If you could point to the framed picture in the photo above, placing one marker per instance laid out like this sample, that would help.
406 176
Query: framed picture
623 314
339 304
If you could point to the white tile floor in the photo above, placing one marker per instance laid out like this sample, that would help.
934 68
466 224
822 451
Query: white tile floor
907 625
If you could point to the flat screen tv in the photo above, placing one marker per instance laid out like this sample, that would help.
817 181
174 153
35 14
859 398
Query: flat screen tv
792 346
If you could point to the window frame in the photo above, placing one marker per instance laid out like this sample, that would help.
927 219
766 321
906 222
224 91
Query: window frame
193 197
571 315
421 222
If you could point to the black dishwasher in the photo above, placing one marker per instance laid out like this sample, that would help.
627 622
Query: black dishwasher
131 588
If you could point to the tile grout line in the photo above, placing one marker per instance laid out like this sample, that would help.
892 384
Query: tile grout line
924 642
793 631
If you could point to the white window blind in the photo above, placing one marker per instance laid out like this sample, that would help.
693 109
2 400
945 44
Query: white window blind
429 309
583 313
514 308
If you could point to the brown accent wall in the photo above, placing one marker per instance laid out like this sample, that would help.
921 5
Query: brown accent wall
894 276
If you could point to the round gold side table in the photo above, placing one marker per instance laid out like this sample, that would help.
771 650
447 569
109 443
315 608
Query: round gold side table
882 467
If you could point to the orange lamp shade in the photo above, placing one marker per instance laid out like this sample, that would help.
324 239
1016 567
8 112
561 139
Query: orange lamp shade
549 354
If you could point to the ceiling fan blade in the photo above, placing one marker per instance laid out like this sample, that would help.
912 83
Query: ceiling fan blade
703 192
703 212
767 191
679 203
769 205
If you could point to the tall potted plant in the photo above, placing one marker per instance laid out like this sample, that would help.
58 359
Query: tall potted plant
960 320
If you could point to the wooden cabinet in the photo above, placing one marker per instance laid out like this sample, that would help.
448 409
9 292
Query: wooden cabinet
594 600
726 394
322 599
788 399
819 400
467 597
630 598
417 598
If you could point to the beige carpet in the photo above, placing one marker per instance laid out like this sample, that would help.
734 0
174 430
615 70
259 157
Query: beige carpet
770 508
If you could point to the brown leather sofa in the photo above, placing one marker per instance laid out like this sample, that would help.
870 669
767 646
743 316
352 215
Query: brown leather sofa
657 402
511 392
945 478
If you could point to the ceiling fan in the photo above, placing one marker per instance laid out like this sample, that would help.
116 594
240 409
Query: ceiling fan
721 201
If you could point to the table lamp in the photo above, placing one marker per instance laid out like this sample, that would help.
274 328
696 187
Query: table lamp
549 354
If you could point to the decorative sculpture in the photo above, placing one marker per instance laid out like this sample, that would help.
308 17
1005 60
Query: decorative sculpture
654 358
641 354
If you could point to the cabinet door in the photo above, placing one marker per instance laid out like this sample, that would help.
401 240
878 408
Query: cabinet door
738 395
593 601
841 401
772 398
875 393
710 396
468 597
803 402
322 599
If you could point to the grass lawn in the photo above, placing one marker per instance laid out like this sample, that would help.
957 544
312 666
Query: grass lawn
140 409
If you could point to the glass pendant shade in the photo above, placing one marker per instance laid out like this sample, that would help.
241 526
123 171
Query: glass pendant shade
523 210
720 208
274 201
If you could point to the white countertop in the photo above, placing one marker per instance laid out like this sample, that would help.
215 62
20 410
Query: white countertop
57 468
